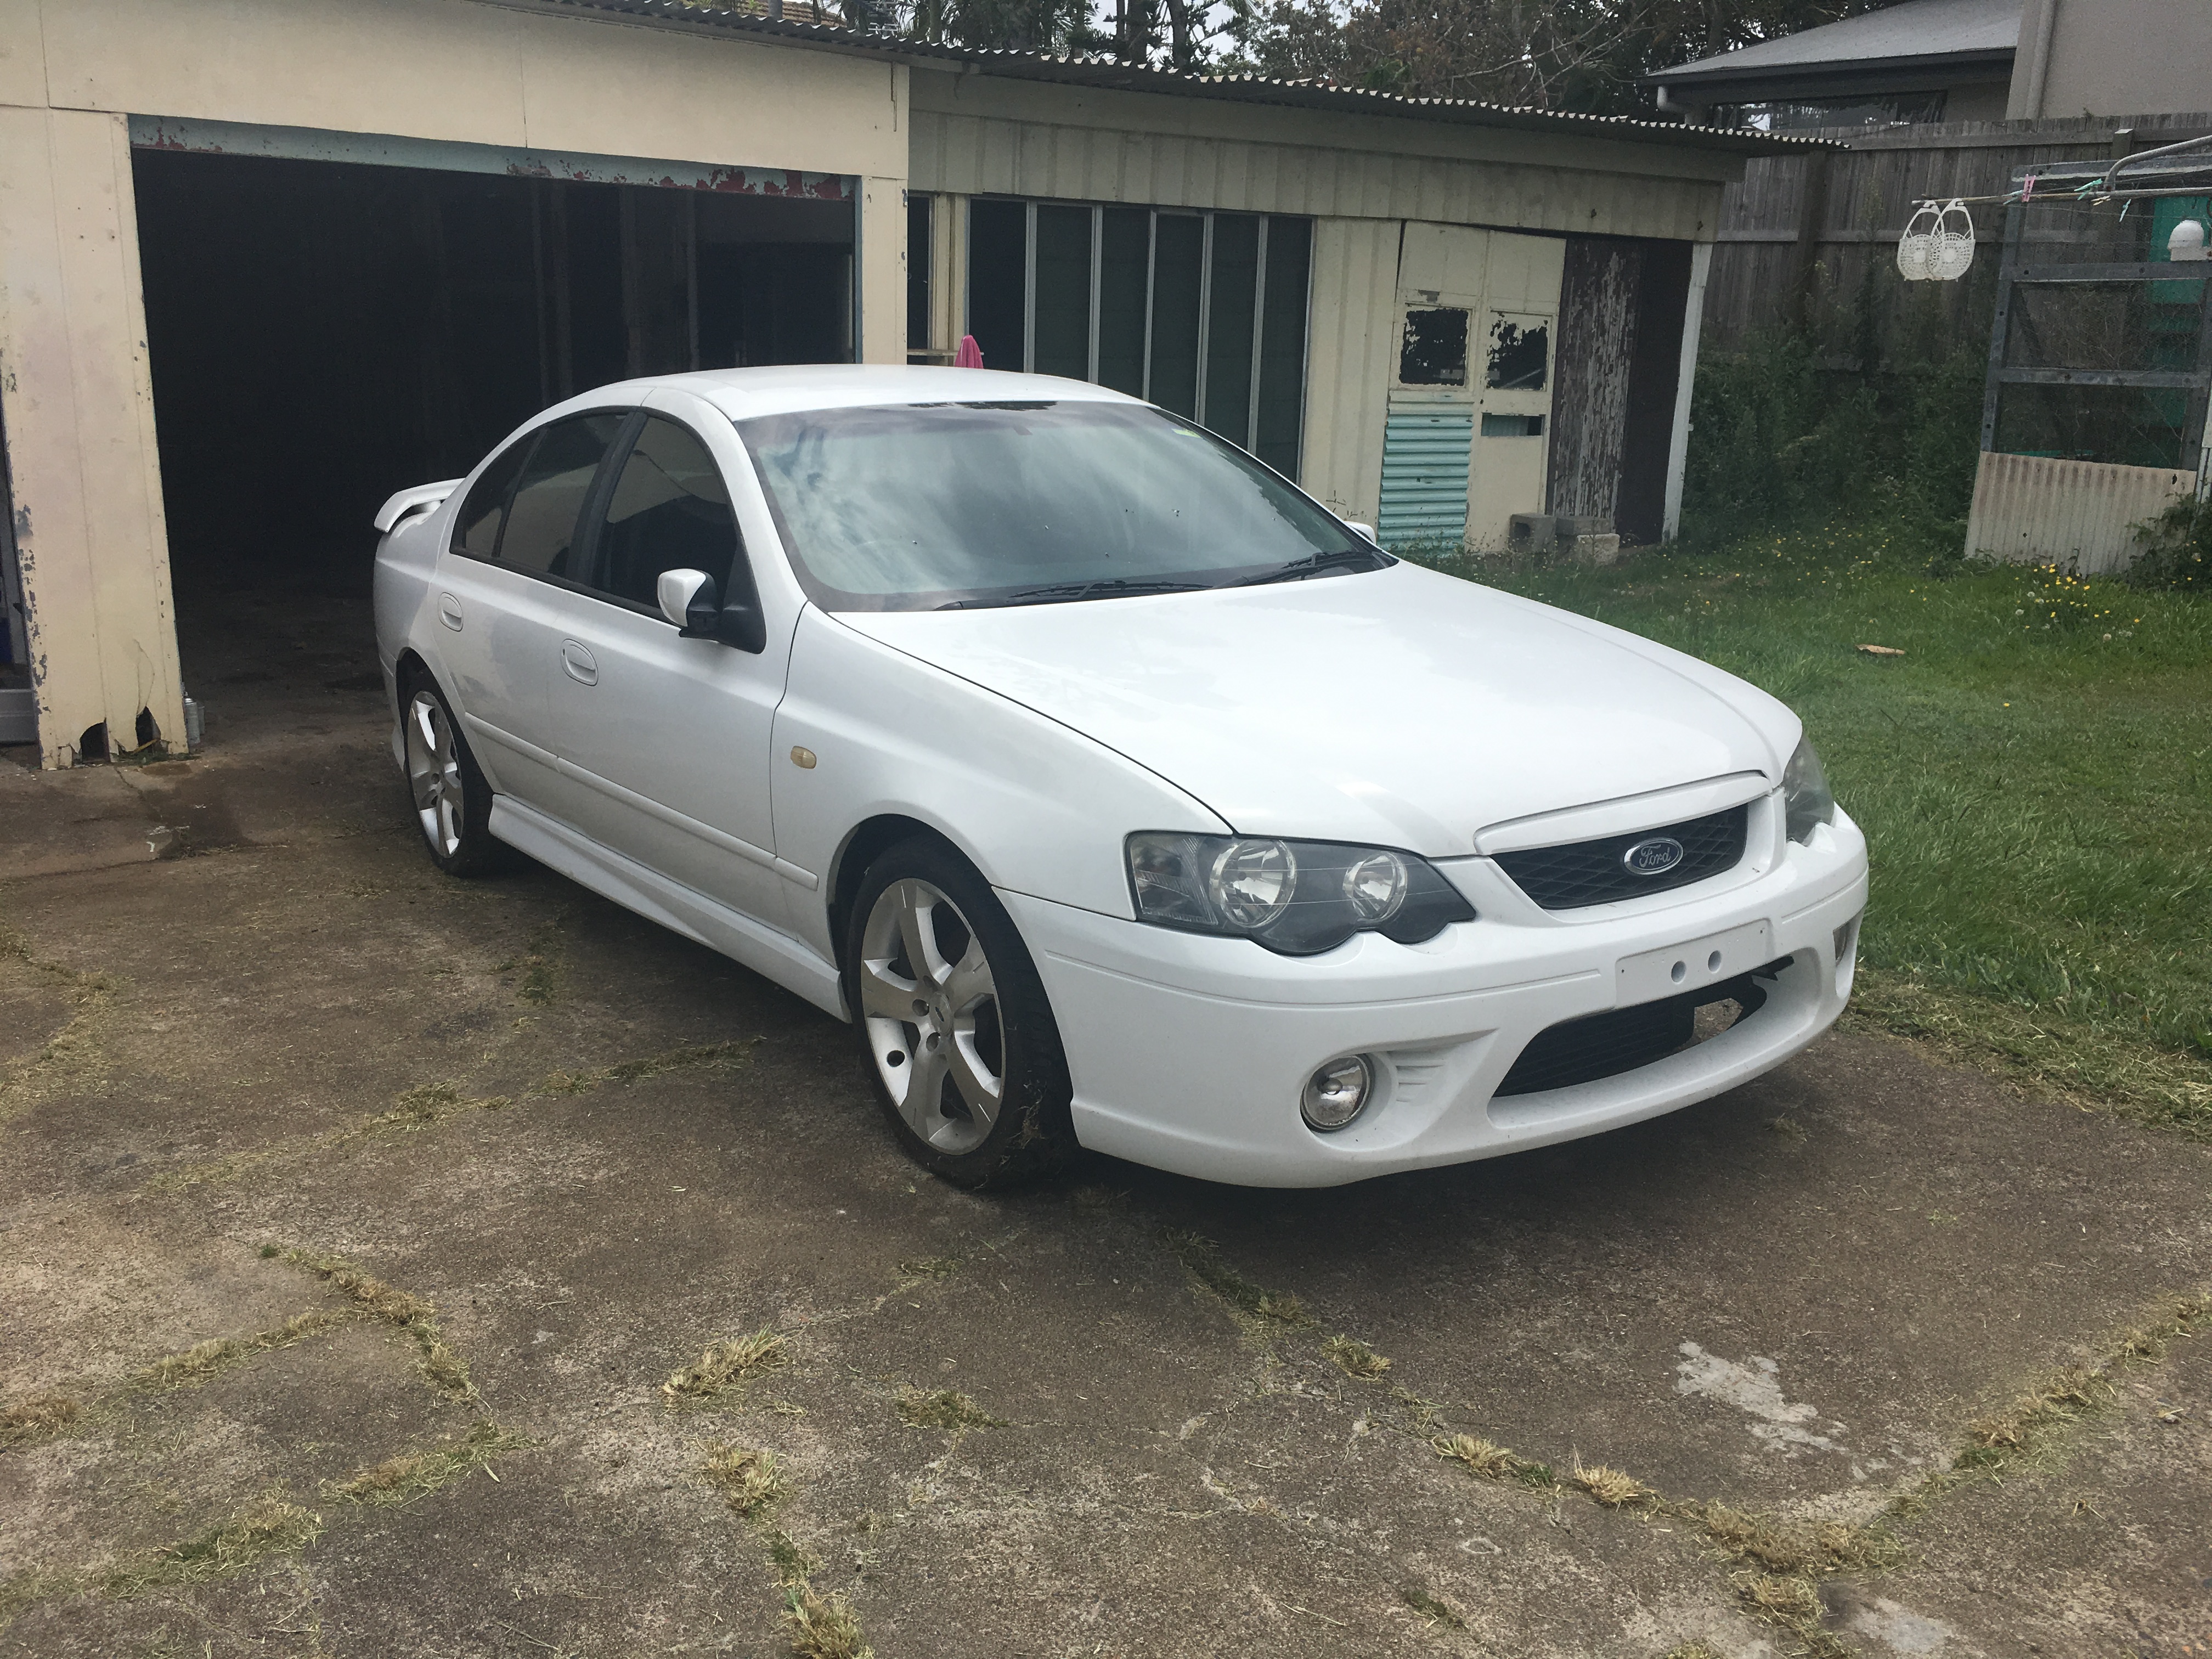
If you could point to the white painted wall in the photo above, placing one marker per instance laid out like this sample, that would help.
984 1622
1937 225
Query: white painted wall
76 395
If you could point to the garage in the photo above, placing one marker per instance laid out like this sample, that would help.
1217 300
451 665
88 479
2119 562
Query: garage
329 321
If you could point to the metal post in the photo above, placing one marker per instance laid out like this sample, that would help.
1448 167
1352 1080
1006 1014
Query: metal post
2000 320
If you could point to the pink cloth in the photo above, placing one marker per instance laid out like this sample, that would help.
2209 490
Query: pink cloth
970 355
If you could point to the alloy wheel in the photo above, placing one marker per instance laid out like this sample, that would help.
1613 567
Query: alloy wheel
930 1003
434 774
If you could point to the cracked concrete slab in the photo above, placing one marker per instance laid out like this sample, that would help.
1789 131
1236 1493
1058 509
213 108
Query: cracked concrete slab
1792 1299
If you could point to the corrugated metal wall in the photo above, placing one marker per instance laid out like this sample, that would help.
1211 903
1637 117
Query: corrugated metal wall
978 155
2039 509
1355 285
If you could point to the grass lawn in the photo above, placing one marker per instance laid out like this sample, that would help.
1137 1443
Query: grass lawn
2034 776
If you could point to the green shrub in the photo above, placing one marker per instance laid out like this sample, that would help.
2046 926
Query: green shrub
2177 549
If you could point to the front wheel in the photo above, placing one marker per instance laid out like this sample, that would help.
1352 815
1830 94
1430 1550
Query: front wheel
958 1038
450 795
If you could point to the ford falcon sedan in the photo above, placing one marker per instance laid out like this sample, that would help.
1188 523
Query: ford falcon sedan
1116 792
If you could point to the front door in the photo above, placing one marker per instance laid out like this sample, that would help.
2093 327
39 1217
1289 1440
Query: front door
669 738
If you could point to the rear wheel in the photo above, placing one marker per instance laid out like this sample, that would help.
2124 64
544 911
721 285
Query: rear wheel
451 796
958 1038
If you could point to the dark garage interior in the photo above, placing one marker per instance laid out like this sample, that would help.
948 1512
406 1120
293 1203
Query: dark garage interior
322 333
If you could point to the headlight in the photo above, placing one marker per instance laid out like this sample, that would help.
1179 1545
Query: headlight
1299 897
1806 800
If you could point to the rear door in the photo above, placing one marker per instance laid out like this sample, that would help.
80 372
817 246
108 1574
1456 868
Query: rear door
669 736
505 582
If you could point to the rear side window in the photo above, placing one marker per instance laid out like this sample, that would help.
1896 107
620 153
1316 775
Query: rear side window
541 534
476 532
670 510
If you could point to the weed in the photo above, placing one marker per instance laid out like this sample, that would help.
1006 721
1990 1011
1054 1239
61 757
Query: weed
410 1475
1202 1258
725 1364
823 1626
1779 1596
943 1408
1430 1609
445 1370
746 1476
1609 1486
1775 1547
1354 1358
1536 1476
269 1527
2059 1399
34 1418
794 1564
1690 1650
1485 1457
929 1267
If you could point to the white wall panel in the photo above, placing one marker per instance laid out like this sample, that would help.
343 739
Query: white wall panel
1348 361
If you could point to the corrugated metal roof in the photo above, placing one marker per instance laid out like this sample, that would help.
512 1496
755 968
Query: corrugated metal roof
1896 34
1112 74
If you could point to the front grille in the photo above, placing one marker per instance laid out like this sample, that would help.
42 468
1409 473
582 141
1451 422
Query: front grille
1620 1040
1584 873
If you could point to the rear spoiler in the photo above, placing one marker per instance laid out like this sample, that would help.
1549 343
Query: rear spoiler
407 502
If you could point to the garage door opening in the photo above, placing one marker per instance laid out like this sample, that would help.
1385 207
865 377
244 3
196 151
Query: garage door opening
322 333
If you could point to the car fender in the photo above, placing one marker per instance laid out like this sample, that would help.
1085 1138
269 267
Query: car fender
866 732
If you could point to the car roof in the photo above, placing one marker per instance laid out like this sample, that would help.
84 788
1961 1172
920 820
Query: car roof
742 394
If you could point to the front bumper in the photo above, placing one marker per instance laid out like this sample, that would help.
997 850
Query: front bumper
1188 1052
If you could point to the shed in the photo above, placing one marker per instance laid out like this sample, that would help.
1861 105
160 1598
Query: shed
263 261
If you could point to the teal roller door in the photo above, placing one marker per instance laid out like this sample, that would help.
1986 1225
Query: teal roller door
1425 462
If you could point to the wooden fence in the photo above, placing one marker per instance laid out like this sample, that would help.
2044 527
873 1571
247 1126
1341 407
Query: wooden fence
1809 237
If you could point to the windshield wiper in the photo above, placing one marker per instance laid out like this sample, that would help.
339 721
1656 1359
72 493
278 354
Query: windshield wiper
1063 591
1342 558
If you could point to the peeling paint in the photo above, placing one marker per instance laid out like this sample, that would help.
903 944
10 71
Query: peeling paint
381 149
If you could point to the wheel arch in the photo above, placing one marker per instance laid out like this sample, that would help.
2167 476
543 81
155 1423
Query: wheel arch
859 848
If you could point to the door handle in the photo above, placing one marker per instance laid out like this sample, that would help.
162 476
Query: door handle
449 611
579 662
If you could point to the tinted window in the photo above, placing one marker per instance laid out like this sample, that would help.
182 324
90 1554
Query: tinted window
476 532
669 510
542 528
910 507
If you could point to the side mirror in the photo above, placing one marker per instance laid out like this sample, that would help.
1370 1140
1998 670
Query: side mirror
688 600
1366 530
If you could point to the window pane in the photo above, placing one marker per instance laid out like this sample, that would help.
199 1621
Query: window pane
1283 345
1062 341
541 526
913 508
997 274
1433 350
1123 254
1229 327
918 251
669 510
1520 351
1178 246
476 532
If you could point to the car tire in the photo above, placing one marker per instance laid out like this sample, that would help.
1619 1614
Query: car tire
448 790
962 1049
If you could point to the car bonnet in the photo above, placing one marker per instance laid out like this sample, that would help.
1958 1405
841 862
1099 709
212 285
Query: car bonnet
1396 708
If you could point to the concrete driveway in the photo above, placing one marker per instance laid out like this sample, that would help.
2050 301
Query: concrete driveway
379 1255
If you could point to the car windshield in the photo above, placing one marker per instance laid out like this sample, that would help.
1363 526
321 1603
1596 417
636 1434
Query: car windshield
918 507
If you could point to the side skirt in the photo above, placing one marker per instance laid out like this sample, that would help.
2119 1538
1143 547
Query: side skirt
769 953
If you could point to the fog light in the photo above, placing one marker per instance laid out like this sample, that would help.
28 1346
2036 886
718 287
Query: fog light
1846 940
1335 1094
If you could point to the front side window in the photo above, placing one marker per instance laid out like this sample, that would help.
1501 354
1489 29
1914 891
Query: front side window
917 507
542 532
670 510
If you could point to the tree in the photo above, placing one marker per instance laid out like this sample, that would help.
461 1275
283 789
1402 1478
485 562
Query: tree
1582 55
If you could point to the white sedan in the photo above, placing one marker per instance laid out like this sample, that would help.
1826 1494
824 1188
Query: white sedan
1118 794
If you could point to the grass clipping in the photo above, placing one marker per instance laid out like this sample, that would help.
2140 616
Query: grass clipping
724 1366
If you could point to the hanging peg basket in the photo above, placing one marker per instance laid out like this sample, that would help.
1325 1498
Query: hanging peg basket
1951 254
1917 248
